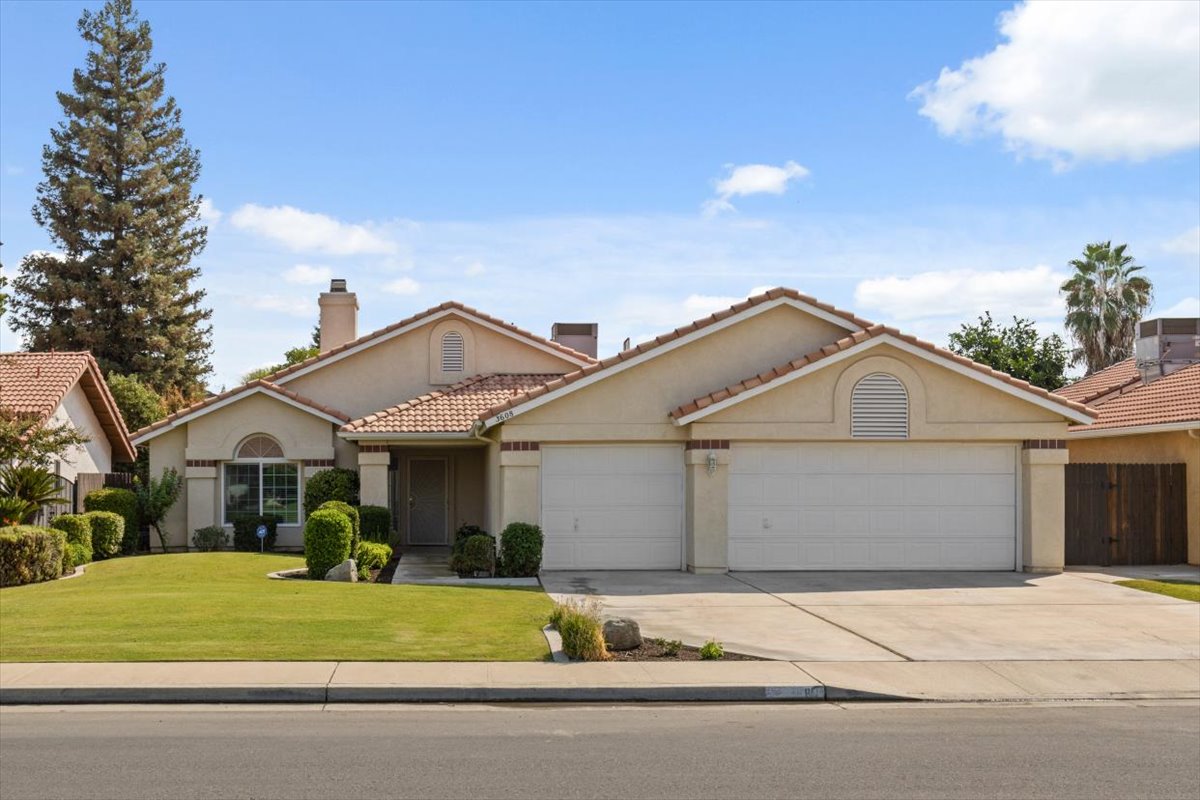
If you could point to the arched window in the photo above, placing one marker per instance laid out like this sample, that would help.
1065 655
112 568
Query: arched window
879 408
453 352
260 446
260 481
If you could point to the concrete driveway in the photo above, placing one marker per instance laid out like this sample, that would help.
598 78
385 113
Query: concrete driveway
897 616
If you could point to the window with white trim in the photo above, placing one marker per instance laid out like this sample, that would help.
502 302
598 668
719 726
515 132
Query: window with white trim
260 481
879 408
453 352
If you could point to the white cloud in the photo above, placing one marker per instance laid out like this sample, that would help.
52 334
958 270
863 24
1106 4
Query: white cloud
642 317
305 231
308 275
474 269
1078 81
1186 243
280 304
209 213
749 179
963 293
402 286
1187 307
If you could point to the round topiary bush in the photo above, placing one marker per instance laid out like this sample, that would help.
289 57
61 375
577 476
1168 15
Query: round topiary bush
330 484
373 555
29 554
375 523
478 554
521 550
108 529
119 501
327 535
78 529
351 514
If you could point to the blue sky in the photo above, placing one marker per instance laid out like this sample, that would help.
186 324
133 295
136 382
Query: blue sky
643 165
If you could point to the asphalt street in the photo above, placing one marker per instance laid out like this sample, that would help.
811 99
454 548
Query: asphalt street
1094 750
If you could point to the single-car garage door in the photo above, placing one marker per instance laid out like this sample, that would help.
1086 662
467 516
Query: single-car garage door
896 506
612 507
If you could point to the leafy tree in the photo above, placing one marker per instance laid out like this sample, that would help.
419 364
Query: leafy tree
155 496
1105 300
25 440
117 201
1016 350
139 404
293 356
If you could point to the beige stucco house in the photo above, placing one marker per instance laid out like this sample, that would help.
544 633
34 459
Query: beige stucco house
781 433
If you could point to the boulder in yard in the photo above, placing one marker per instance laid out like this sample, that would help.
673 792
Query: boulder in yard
622 633
345 571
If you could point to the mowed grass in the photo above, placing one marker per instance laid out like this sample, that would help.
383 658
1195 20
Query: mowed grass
222 607
1184 590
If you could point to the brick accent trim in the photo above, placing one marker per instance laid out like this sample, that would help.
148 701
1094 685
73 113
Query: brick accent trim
199 462
318 462
373 448
519 447
1044 444
707 444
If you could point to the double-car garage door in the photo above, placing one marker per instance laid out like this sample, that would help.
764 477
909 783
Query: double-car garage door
791 506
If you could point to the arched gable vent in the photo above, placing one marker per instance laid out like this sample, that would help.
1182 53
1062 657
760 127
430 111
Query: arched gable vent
260 446
879 408
453 352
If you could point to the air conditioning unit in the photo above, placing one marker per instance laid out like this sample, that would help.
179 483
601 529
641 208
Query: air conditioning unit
1164 346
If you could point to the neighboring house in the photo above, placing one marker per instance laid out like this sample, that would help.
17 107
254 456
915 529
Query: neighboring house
68 389
781 433
1149 409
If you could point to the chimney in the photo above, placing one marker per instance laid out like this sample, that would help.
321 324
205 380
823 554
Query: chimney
581 336
339 315
1164 346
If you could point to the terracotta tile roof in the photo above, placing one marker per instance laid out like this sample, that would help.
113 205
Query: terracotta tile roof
450 410
36 383
625 355
449 305
1174 398
1098 384
262 383
856 339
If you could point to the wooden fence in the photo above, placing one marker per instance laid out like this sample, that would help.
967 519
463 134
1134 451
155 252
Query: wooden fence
1126 514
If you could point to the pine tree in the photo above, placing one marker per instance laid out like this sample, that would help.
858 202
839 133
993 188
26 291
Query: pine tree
117 201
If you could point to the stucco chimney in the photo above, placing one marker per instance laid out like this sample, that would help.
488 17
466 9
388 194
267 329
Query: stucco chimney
581 336
339 315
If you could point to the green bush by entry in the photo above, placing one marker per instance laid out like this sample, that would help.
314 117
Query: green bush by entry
327 535
245 532
521 550
330 484
209 538
30 554
78 529
118 501
463 533
578 623
351 513
373 555
478 554
376 524
108 528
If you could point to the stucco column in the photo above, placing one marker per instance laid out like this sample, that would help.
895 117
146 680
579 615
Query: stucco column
520 486
201 507
706 510
373 477
1043 507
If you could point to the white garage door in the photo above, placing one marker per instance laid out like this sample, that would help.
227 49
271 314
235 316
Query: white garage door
872 506
612 507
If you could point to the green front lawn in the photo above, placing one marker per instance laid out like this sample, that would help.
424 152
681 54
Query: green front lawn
1184 590
222 607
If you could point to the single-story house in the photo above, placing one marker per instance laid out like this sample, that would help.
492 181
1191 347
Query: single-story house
68 389
1149 410
780 433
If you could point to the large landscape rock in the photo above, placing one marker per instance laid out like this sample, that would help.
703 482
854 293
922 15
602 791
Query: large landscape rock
345 571
622 633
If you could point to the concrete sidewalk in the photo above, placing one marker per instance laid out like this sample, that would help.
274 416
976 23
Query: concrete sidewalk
727 681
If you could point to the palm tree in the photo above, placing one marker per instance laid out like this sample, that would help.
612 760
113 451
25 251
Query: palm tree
1105 299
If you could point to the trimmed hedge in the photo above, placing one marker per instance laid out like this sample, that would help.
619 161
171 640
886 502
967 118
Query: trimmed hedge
108 529
209 538
29 554
118 501
350 513
245 532
521 550
330 484
327 535
375 523
373 555
478 554
78 529
463 533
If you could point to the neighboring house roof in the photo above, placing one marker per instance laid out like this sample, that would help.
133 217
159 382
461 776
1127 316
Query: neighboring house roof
662 343
873 335
1170 402
428 315
450 410
36 383
1098 384
216 401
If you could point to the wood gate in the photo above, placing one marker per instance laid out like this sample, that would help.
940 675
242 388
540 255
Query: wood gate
1125 514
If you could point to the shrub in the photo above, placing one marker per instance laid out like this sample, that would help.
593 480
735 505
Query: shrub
245 532
670 647
478 554
372 555
376 523
463 533
350 513
108 529
330 484
78 529
327 535
712 650
578 624
118 501
521 550
29 554
15 509
36 486
209 538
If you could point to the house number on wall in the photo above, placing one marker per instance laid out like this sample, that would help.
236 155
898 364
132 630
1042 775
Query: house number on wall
503 415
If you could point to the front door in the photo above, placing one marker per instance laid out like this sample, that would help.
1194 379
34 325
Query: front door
428 512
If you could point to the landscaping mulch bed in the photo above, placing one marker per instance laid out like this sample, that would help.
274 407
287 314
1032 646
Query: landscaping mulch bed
385 575
652 651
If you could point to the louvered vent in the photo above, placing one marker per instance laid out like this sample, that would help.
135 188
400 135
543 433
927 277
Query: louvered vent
879 408
452 352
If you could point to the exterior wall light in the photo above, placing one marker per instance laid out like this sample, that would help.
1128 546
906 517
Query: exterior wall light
711 463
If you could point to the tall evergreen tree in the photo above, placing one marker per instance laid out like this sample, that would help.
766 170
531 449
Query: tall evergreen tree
117 201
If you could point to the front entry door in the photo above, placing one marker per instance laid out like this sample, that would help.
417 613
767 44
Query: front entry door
428 513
